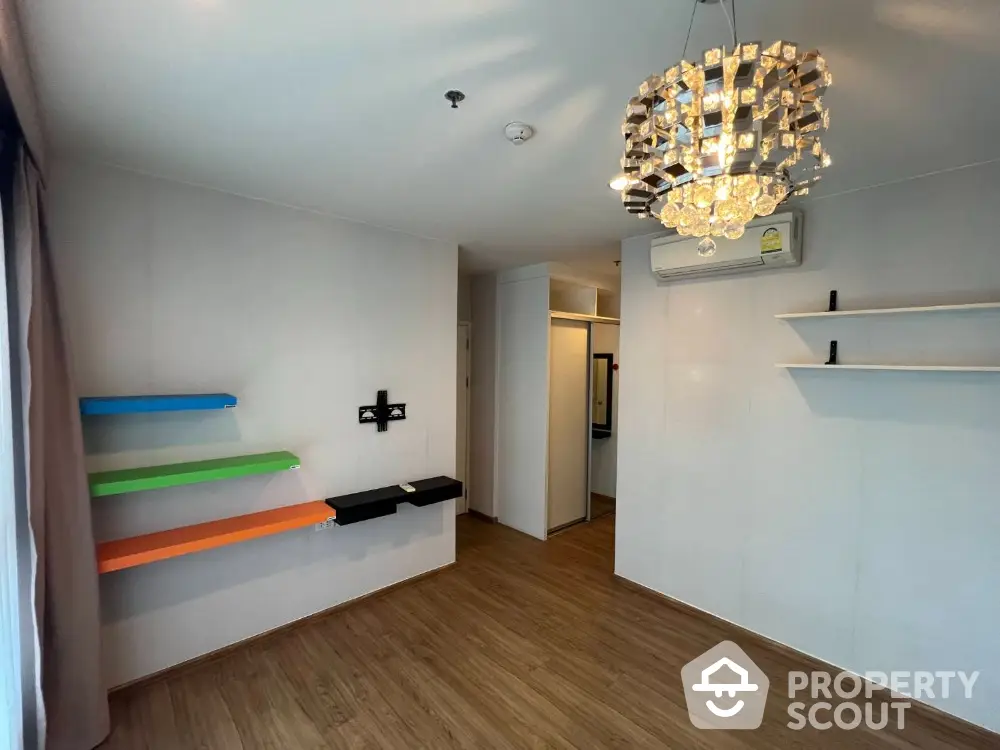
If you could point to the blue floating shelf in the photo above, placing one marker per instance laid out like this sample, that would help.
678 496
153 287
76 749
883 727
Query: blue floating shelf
145 404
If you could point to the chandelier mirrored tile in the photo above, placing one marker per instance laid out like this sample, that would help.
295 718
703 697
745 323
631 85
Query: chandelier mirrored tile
709 145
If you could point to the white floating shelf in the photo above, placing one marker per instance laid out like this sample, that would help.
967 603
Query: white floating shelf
558 314
906 368
892 311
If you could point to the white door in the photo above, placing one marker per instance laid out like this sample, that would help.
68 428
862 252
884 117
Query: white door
462 410
569 421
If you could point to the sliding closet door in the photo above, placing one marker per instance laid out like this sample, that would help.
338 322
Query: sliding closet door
569 421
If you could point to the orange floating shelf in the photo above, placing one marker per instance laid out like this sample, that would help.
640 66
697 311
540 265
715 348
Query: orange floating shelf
162 545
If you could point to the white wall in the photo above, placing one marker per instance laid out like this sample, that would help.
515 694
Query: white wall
604 452
482 427
170 288
523 400
850 515
573 298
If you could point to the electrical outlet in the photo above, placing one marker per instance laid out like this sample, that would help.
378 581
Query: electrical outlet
327 524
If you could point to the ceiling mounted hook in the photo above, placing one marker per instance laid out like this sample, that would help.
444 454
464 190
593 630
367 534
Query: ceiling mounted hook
455 97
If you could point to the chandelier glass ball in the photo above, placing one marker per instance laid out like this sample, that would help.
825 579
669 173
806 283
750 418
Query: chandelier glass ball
711 145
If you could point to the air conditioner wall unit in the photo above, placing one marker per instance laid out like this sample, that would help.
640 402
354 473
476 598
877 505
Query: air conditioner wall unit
769 242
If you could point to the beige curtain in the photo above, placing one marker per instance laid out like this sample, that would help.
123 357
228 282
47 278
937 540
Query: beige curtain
67 614
18 79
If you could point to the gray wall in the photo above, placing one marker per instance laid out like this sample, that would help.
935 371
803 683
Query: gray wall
464 298
170 288
850 515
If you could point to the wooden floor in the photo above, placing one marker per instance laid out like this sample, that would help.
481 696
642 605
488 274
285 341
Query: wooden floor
601 505
522 644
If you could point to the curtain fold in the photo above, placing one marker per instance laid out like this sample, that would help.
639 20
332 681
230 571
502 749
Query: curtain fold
67 612
19 81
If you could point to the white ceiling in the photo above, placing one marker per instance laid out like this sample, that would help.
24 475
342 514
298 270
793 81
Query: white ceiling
338 106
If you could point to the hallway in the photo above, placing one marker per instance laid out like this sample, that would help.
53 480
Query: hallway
522 644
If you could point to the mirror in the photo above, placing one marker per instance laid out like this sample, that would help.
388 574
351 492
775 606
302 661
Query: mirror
602 375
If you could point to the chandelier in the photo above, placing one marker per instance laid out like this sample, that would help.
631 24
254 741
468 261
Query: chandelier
711 144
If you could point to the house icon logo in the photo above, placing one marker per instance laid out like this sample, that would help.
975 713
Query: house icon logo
725 689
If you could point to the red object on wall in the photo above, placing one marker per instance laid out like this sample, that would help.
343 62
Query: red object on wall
615 367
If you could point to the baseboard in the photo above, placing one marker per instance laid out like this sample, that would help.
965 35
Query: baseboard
926 711
482 516
197 661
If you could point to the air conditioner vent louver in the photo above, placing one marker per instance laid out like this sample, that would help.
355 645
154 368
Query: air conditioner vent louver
733 265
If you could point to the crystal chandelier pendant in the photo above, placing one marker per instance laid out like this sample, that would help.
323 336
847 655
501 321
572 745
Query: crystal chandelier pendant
707 247
710 145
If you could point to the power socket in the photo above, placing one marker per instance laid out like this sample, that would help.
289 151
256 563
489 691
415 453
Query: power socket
327 524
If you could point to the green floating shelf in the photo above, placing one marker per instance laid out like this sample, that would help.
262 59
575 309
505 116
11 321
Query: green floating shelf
104 483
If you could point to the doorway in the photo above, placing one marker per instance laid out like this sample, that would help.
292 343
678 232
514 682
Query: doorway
462 417
569 422
604 427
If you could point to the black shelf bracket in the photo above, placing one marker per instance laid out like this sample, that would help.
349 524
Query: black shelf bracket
833 301
833 353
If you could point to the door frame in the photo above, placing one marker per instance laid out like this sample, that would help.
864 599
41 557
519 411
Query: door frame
462 506
553 317
590 416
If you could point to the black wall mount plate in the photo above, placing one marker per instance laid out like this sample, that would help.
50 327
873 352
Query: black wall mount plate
381 412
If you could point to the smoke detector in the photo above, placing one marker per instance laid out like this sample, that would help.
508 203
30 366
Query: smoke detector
517 132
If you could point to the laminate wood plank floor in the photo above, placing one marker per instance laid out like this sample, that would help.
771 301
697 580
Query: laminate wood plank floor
601 505
521 644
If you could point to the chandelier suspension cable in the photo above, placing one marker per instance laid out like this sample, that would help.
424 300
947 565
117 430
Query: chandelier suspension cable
687 39
730 20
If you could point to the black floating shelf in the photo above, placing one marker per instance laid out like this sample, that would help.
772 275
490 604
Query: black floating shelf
364 506
431 491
